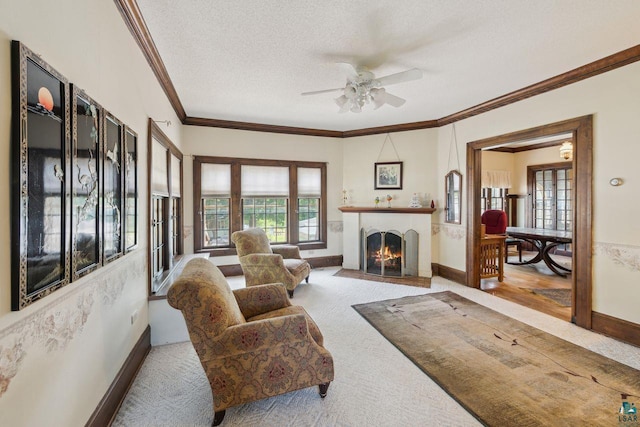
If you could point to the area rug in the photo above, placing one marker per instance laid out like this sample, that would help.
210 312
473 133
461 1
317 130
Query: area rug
422 282
560 296
502 371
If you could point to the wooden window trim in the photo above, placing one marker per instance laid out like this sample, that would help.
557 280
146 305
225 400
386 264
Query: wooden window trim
154 132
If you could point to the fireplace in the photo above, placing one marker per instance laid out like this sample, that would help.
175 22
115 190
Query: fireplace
389 253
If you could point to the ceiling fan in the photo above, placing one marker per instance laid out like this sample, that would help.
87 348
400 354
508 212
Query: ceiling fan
363 88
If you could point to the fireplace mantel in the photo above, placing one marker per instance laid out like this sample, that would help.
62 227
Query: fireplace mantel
370 209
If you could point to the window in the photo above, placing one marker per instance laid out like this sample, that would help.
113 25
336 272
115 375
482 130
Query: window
309 197
551 192
494 198
165 208
495 185
287 199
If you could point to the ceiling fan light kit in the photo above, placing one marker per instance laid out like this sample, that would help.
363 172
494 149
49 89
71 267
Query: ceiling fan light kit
363 88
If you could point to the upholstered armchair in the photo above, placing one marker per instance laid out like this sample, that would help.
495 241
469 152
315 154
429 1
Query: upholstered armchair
262 263
495 222
252 342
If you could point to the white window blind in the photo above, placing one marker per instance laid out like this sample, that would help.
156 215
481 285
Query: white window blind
259 181
309 182
159 178
215 180
496 179
175 176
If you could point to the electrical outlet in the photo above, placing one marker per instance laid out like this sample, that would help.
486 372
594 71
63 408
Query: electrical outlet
311 252
134 317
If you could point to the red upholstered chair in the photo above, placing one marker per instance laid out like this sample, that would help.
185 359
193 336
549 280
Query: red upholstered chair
495 222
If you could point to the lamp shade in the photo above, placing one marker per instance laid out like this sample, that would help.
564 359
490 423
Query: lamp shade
566 150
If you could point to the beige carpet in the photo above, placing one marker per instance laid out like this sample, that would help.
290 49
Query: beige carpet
375 384
501 370
422 282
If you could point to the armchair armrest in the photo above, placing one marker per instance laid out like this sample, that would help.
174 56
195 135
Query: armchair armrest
287 251
260 335
256 300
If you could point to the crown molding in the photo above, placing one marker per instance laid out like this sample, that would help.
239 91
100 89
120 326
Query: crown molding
258 127
135 22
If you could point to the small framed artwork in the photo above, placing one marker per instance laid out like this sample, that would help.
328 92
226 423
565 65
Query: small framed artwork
388 176
40 171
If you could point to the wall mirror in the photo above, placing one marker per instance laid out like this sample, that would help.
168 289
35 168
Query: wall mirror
453 192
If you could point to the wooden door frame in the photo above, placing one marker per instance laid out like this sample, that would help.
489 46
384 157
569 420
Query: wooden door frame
582 130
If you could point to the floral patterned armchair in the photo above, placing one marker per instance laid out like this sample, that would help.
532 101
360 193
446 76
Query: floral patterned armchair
252 342
262 263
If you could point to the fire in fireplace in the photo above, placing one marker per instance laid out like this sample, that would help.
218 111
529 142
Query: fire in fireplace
390 253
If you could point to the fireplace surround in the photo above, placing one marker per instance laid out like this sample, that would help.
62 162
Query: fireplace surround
357 218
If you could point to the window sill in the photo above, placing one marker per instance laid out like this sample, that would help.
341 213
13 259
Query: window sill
307 246
169 276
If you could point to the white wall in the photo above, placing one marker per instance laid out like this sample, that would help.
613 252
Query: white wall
59 355
614 100
206 141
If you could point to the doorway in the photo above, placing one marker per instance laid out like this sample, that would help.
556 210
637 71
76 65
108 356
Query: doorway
582 130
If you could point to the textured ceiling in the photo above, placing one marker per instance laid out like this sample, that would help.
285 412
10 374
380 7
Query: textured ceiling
249 60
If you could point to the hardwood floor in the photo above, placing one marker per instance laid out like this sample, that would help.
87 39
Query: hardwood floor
521 281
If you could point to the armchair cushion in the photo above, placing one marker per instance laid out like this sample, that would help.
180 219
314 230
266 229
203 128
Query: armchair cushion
256 300
251 241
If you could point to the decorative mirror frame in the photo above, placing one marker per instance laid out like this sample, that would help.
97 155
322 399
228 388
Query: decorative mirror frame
86 183
451 216
113 179
38 91
131 190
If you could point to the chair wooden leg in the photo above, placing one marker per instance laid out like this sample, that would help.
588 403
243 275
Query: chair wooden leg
290 292
218 416
322 388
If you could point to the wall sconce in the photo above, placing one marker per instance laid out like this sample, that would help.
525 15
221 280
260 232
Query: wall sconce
566 150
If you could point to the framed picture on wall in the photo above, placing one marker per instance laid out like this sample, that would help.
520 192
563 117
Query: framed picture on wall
388 175
113 173
40 170
86 185
131 189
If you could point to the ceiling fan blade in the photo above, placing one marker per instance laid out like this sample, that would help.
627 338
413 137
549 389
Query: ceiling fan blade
316 92
349 70
394 101
403 76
